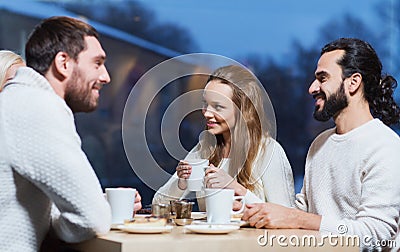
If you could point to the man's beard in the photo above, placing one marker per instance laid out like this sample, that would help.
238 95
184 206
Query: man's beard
78 95
334 104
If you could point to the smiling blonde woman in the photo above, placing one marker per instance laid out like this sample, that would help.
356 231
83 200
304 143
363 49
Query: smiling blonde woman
9 63
242 154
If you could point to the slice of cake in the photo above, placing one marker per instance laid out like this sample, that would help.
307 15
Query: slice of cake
147 221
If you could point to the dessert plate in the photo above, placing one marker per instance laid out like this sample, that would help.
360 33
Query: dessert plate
145 229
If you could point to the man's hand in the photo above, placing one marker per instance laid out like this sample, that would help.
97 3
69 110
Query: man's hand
271 215
138 202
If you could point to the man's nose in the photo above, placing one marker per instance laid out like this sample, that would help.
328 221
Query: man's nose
314 87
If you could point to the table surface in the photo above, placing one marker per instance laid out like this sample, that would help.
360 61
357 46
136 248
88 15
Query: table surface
244 239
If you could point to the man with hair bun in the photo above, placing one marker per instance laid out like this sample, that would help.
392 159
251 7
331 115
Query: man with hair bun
351 183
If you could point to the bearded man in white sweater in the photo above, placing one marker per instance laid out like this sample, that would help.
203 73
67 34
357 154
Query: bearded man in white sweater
351 183
46 181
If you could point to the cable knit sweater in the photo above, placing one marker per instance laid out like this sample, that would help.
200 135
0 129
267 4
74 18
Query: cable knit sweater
353 180
271 167
42 164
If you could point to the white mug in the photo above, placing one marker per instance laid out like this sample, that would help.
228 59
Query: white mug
122 201
219 203
196 179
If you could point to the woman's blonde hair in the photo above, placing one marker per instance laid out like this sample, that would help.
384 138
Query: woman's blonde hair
7 59
250 125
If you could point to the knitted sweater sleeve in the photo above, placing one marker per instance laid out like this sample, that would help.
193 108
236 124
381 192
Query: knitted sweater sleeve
301 200
46 150
277 178
378 212
170 190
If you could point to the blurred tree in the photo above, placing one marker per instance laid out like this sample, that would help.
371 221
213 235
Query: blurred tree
287 85
348 26
134 18
390 35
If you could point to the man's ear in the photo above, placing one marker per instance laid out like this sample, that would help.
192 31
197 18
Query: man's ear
355 82
63 64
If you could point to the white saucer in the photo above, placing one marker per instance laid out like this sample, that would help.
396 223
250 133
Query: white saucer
145 229
239 223
212 228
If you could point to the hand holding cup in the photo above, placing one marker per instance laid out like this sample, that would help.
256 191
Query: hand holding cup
218 178
183 169
191 174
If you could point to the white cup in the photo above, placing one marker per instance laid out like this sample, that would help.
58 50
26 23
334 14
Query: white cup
196 179
122 201
219 203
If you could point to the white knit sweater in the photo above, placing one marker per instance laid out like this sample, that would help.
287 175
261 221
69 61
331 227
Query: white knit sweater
271 168
353 179
42 163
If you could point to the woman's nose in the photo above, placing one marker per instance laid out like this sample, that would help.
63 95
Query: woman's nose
207 112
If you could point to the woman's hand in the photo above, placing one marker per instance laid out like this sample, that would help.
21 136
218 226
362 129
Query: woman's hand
218 178
237 205
183 170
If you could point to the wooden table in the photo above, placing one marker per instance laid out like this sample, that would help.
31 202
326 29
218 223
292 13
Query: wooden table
181 239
